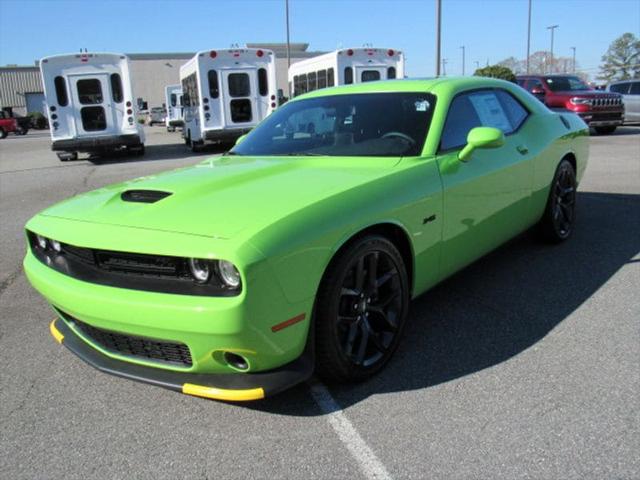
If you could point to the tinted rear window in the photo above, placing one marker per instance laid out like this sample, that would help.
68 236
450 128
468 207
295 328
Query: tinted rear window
263 84
116 88
214 91
239 85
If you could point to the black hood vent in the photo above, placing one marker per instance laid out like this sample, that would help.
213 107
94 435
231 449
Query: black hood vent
143 196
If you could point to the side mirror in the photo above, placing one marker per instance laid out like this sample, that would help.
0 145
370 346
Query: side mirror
240 138
481 137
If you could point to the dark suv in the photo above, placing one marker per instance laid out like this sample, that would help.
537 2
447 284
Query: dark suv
603 111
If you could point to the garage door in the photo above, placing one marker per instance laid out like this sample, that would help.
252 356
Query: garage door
35 102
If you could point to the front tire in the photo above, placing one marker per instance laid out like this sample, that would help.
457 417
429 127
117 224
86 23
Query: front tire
361 310
559 215
3 133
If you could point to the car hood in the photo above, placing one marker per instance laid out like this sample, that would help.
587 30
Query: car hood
222 196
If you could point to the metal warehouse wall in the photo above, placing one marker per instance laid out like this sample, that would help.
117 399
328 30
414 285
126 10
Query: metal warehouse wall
14 83
151 72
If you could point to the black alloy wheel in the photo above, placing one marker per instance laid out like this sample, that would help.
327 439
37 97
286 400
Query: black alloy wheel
361 310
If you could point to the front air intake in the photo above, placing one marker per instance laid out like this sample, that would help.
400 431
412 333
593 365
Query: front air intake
143 196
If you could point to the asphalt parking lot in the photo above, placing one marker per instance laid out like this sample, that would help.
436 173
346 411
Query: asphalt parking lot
524 365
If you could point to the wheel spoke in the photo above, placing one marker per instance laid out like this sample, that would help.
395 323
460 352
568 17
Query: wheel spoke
385 278
349 291
372 270
353 330
364 341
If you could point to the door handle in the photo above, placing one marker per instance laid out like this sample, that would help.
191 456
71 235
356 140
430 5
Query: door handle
522 149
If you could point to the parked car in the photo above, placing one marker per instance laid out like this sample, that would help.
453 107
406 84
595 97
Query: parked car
156 115
301 248
600 110
630 91
8 124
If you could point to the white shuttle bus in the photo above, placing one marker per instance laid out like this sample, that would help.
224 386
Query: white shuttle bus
343 67
173 100
90 104
226 93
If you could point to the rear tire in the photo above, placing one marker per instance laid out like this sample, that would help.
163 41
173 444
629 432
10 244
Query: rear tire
605 130
361 310
3 133
559 215
195 146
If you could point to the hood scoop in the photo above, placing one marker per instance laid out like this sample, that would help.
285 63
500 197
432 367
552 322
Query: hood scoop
143 196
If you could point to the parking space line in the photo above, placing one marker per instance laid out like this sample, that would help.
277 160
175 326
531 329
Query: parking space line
369 464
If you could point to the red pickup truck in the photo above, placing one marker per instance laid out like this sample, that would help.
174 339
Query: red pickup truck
8 124
603 111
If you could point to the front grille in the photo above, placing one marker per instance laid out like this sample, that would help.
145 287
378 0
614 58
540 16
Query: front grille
134 346
607 101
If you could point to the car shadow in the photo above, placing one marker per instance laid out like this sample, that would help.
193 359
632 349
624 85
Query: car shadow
498 307
158 152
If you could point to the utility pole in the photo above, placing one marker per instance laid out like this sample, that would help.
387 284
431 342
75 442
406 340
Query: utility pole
462 47
286 8
552 28
529 37
573 63
438 23
444 67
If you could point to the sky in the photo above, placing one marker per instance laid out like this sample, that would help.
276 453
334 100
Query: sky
490 30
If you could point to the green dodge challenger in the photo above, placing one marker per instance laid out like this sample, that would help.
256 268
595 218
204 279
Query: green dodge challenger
300 249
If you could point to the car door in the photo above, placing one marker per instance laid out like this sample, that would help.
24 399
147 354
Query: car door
240 109
487 198
632 103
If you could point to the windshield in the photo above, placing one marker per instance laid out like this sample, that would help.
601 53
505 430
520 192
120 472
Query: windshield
565 84
366 124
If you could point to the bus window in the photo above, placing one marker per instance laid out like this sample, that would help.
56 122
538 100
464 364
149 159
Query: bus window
391 72
330 81
61 91
174 99
116 88
263 84
239 85
299 85
312 82
214 91
89 91
322 79
348 75
370 75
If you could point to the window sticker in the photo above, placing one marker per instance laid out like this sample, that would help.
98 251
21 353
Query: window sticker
422 106
490 111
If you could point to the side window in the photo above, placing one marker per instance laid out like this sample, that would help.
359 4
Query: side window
116 88
348 75
516 113
61 91
461 118
322 78
470 110
312 82
214 89
391 72
330 80
534 83
303 83
635 88
263 84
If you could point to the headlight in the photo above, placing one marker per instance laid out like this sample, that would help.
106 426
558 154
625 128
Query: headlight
229 273
581 101
56 245
42 242
199 269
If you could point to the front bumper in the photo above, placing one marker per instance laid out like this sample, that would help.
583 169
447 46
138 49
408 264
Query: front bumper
96 143
176 123
227 387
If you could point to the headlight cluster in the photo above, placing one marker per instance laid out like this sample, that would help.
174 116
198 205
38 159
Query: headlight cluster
45 243
201 270
581 101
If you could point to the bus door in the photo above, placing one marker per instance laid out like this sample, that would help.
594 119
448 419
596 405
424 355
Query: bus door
93 105
370 73
240 95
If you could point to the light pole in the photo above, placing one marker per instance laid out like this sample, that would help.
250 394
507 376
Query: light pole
286 8
438 23
462 47
528 37
477 64
573 63
444 67
552 28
